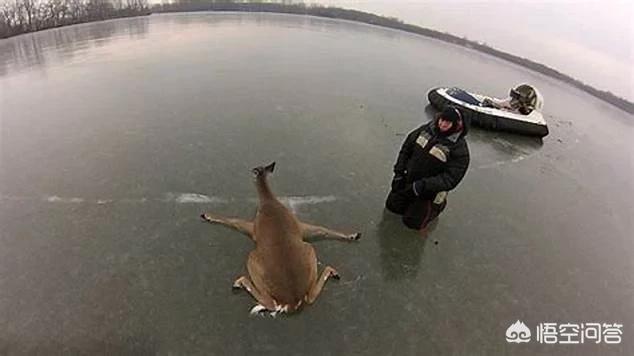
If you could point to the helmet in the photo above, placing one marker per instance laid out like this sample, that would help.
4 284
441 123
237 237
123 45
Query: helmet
525 97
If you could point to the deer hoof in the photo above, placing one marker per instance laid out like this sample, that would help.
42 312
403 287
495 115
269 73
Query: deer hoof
256 310
355 237
208 218
335 275
238 284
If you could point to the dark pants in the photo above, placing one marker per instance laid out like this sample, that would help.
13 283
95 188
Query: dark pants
417 213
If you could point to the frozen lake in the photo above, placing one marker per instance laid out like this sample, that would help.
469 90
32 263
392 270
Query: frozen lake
116 135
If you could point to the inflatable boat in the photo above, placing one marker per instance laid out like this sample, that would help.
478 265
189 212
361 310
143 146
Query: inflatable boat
474 106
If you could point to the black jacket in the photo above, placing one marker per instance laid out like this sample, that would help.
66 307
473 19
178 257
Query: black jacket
439 161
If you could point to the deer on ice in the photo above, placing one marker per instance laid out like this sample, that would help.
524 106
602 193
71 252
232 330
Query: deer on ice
282 269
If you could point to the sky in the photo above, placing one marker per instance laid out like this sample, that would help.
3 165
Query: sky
592 41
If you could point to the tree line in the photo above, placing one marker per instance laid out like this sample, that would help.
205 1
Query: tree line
22 16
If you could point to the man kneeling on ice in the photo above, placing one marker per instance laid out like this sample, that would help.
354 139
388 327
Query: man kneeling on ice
522 99
433 160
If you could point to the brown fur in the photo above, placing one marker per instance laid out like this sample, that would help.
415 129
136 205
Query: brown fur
282 267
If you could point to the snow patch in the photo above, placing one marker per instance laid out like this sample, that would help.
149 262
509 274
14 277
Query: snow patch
191 198
58 199
294 202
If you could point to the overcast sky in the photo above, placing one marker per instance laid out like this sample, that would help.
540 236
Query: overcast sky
590 40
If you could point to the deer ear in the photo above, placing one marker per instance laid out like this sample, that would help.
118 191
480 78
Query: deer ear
270 167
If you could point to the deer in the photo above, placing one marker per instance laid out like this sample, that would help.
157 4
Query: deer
282 269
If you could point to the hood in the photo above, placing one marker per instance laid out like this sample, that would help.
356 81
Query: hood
456 135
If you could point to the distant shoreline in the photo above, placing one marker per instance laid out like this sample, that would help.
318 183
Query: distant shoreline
394 23
387 22
19 17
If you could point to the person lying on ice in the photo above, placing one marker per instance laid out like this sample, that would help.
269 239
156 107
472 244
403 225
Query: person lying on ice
432 161
522 100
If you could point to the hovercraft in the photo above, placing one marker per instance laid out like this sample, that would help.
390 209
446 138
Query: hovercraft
480 109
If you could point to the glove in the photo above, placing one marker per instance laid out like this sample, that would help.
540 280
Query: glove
408 193
418 187
398 182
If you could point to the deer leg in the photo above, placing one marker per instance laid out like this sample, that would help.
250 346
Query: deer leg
316 288
314 231
242 226
265 301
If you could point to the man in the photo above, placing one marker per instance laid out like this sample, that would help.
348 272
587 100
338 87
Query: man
522 99
433 160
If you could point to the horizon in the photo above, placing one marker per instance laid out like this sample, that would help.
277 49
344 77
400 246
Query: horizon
580 46
590 41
